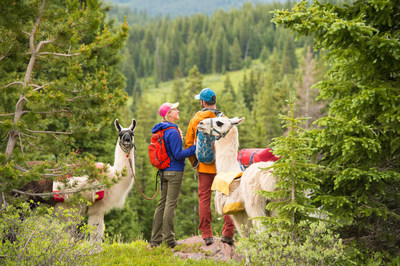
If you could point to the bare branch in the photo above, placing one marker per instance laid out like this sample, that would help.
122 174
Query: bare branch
57 193
21 146
21 99
52 112
38 87
57 138
55 170
6 54
38 112
41 43
58 54
9 114
49 132
30 143
45 176
13 83
78 97
32 35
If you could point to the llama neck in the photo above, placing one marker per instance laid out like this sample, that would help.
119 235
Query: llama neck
226 150
121 159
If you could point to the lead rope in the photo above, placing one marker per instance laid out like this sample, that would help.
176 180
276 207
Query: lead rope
134 178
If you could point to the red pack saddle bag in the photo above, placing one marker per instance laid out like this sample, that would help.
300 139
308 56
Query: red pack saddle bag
246 157
93 196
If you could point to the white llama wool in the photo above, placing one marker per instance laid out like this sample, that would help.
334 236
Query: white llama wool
253 179
114 197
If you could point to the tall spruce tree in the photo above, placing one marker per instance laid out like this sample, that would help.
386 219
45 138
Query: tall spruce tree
359 139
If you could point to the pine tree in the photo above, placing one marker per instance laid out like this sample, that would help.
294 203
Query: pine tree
296 174
358 139
193 87
236 56
227 98
55 81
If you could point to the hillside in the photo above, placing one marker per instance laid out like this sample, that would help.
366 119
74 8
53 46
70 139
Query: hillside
183 7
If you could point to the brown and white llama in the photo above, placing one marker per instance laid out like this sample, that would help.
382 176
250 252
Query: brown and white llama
114 197
252 180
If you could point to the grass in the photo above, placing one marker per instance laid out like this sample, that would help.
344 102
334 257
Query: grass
140 253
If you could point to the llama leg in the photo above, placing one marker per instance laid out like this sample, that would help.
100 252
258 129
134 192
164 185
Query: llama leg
257 210
241 223
96 221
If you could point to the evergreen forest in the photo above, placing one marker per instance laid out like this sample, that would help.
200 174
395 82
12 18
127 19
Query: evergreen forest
317 82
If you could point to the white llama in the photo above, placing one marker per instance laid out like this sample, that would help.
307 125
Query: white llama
114 197
253 179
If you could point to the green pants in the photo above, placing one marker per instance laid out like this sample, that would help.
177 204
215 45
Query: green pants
163 222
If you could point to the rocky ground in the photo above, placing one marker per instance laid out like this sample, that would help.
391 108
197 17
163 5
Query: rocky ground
195 248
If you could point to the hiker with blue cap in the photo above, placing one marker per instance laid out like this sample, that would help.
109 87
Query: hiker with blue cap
207 171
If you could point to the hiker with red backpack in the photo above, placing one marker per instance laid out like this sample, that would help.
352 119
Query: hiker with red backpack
166 153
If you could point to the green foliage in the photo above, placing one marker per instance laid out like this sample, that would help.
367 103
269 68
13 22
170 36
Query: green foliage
39 237
296 174
311 244
357 142
60 83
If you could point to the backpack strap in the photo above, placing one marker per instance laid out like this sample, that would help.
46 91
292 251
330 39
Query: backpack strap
215 111
169 128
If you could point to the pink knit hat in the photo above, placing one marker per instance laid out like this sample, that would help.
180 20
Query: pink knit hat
165 107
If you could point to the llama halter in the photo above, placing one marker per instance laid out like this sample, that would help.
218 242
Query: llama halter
126 147
220 135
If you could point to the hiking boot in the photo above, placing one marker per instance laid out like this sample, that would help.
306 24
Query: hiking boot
173 244
227 240
154 244
209 240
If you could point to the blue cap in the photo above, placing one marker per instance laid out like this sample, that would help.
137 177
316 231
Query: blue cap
207 95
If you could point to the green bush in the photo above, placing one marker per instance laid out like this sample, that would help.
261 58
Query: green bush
39 237
312 244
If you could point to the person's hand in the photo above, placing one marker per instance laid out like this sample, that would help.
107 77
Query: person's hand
195 163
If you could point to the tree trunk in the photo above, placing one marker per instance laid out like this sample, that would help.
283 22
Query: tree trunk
14 133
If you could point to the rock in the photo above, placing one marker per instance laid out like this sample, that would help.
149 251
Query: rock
195 248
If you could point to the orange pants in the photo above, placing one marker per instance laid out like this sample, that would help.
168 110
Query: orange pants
205 182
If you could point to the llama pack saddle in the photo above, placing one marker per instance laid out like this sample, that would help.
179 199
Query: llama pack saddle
227 182
75 184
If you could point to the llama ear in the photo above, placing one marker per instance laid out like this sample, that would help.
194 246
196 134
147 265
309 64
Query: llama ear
133 125
117 125
237 121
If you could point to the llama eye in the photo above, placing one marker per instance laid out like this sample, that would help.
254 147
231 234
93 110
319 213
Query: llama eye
220 124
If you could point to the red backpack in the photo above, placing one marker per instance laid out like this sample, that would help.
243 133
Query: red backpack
157 152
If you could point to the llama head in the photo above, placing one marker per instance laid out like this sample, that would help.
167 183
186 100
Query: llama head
218 126
126 136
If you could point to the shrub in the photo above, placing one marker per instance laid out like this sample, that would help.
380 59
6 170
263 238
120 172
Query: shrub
39 237
312 244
